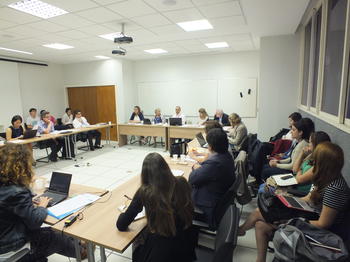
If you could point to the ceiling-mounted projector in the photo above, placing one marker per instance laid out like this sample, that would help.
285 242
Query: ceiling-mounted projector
123 39
119 51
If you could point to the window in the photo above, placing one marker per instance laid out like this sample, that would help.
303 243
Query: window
334 56
318 20
307 45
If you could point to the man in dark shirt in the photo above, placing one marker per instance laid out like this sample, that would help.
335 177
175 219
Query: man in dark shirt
212 179
221 117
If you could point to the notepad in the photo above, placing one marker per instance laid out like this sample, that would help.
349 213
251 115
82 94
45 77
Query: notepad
177 172
16 141
69 206
285 182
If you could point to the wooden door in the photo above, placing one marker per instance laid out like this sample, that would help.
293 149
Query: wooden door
97 104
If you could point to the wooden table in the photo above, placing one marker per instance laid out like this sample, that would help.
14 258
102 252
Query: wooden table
141 130
99 224
186 131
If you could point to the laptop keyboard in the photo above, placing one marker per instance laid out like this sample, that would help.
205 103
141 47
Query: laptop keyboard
293 202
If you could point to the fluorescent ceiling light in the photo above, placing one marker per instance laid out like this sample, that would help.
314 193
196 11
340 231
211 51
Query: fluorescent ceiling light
16 51
195 25
217 45
156 51
111 36
38 8
58 46
102 57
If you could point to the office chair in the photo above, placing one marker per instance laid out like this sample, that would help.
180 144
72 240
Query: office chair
226 239
20 253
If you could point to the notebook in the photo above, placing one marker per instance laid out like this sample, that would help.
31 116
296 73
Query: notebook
285 180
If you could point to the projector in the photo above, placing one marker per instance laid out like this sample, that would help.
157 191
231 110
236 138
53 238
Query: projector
119 51
123 39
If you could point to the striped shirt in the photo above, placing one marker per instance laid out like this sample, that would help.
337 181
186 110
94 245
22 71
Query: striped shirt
336 196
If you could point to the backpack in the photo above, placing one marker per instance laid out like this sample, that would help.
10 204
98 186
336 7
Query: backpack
279 135
292 242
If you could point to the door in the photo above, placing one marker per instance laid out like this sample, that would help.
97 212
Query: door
97 104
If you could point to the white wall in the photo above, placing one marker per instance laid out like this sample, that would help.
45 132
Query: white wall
279 81
218 66
10 94
106 72
41 88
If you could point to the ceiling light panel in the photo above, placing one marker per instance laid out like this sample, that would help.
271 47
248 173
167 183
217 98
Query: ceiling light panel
102 57
196 25
111 36
38 8
58 46
217 45
156 51
15 51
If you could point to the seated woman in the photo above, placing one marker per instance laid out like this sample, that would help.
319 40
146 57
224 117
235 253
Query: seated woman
203 116
193 152
330 195
237 133
16 130
158 119
136 116
20 219
300 132
169 235
303 166
211 179
67 118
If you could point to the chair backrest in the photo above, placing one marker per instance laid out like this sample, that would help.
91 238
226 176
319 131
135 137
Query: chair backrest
227 200
226 236
244 144
3 135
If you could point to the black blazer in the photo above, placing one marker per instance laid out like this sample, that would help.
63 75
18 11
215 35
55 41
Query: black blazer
17 216
211 181
224 119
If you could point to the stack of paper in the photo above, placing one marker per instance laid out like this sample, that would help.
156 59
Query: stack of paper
69 206
16 141
285 182
177 172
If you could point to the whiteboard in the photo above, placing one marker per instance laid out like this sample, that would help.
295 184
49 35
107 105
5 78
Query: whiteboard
237 95
190 95
194 94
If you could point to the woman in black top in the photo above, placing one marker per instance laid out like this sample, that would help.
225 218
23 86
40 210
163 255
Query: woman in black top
15 130
169 235
20 219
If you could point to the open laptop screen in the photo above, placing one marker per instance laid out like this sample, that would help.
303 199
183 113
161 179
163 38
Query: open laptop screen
60 182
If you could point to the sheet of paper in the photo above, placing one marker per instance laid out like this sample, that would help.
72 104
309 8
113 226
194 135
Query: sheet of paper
72 204
2 143
177 172
142 214
287 182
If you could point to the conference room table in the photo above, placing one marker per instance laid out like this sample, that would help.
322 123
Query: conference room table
163 130
98 226
66 134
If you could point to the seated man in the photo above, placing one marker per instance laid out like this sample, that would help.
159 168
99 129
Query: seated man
178 114
211 179
47 127
80 121
221 117
33 119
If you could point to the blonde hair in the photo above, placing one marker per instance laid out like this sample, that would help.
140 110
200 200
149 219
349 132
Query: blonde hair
235 119
16 165
203 111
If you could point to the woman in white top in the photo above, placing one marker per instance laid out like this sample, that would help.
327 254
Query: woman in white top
136 116
67 118
203 116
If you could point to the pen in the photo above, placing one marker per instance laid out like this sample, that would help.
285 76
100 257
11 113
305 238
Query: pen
127 197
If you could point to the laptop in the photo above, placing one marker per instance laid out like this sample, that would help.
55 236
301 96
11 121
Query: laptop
30 133
175 121
58 189
296 203
147 121
201 140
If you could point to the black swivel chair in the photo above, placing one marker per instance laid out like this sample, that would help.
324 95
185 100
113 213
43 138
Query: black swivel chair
3 135
225 241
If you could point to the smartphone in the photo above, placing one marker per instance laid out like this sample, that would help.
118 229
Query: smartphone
286 177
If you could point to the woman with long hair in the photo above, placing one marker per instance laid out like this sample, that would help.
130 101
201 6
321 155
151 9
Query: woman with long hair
20 219
169 235
330 197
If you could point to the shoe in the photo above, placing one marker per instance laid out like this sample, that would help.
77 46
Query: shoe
98 147
53 159
92 148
